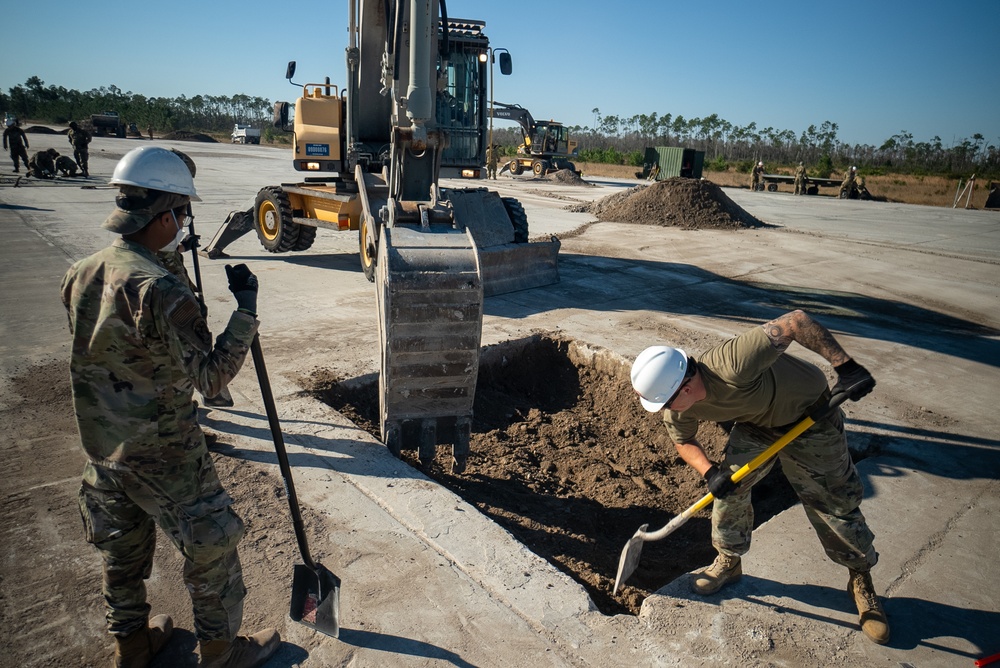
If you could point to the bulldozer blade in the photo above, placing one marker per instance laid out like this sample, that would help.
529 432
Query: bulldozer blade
512 267
629 560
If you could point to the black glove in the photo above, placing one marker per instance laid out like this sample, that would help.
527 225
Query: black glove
243 285
189 242
853 380
720 483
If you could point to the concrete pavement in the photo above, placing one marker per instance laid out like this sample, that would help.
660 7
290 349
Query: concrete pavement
428 580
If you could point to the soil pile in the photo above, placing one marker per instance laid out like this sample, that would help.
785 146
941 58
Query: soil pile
569 177
43 130
184 135
565 458
675 202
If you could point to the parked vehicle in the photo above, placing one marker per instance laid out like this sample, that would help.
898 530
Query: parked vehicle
245 134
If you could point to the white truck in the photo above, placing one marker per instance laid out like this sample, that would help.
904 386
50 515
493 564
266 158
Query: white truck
245 134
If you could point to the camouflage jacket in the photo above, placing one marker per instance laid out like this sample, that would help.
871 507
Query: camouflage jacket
140 348
15 137
78 138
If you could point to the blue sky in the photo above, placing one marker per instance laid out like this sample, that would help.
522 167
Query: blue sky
874 68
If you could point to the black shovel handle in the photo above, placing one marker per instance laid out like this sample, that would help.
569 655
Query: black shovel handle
279 447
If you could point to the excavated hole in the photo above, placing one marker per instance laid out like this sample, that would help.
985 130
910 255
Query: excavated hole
565 458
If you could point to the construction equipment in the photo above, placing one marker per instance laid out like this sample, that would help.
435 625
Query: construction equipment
315 599
108 122
629 559
414 111
545 145
245 134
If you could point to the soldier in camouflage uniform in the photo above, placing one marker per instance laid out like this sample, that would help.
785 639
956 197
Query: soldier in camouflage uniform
140 348
43 164
80 139
16 140
65 165
800 179
756 177
750 380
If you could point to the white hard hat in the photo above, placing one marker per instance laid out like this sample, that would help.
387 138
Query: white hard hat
155 168
657 373
760 164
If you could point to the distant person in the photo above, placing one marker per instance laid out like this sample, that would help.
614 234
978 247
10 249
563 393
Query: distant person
43 164
140 348
66 165
80 140
756 177
849 184
751 380
491 162
150 131
15 139
800 179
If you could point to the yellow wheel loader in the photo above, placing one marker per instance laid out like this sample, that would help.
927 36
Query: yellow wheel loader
414 111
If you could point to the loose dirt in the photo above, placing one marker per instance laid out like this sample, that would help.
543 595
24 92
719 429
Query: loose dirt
184 135
568 177
675 202
565 458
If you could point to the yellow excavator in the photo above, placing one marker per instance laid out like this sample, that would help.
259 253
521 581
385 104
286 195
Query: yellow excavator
414 111
545 145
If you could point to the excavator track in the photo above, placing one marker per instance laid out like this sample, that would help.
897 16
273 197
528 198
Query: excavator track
430 304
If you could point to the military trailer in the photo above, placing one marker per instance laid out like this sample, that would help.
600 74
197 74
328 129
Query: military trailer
664 162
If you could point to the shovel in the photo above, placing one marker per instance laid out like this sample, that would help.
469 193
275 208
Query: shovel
630 554
315 590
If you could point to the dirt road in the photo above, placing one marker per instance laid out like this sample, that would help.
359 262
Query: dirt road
912 290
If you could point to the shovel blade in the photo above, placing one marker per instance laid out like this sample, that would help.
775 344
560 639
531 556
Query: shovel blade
316 599
629 560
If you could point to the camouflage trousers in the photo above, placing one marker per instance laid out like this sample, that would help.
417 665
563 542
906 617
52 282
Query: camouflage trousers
120 511
818 466
17 151
82 157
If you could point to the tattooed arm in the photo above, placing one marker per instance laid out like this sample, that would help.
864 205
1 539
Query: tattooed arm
852 379
799 327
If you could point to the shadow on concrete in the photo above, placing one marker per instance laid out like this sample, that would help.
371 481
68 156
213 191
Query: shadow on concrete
618 285
399 645
914 622
937 453
21 207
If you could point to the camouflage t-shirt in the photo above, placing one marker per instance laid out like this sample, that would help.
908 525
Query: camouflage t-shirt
748 380
140 348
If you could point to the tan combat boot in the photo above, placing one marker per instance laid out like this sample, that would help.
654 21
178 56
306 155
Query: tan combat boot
137 649
724 569
873 620
243 652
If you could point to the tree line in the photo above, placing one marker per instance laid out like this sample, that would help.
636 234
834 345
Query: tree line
612 139
211 113
819 147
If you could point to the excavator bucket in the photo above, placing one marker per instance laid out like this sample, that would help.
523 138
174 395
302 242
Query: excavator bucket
430 302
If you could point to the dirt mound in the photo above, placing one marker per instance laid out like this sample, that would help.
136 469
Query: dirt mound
565 458
676 202
569 177
42 130
184 135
